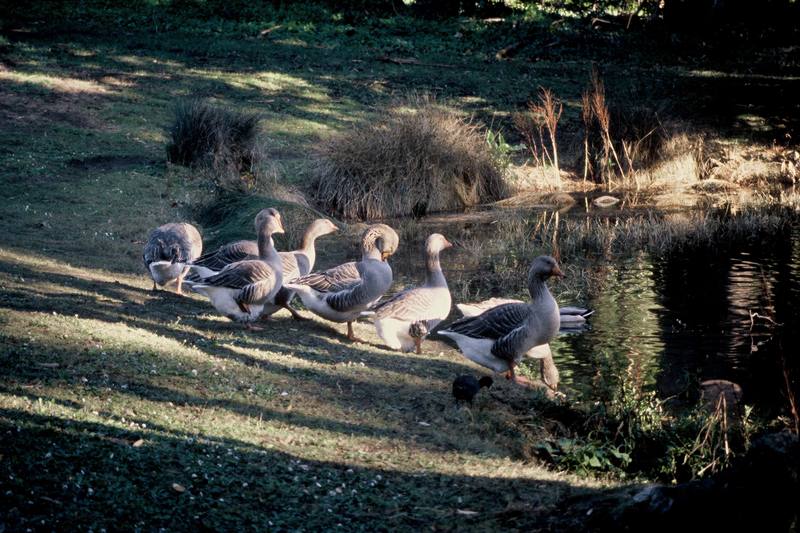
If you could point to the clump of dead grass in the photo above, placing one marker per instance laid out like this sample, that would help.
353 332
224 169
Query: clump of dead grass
420 158
758 167
629 146
221 143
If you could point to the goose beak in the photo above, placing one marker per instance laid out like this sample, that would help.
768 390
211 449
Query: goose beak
557 272
280 229
385 255
447 244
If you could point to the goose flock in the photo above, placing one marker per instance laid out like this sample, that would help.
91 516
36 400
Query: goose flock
249 280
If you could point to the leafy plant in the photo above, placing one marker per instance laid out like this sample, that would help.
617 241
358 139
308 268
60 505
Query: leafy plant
500 148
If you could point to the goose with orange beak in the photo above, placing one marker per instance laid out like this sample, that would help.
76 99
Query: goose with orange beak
499 338
346 292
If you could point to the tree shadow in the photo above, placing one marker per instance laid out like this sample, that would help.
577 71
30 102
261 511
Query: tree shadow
67 474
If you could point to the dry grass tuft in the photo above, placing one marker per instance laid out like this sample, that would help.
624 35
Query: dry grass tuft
542 118
760 167
421 158
222 143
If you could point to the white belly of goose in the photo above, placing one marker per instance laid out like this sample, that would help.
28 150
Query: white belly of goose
165 271
395 333
224 300
478 351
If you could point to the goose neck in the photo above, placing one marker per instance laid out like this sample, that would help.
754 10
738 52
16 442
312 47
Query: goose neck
537 288
434 276
266 247
307 247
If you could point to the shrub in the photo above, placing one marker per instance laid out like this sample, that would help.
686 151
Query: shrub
217 139
415 160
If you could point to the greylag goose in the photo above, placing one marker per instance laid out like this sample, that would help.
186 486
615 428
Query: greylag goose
168 249
296 263
467 386
240 290
344 293
548 372
299 263
404 320
500 337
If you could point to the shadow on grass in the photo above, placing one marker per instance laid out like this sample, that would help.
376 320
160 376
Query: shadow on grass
358 391
64 474
176 317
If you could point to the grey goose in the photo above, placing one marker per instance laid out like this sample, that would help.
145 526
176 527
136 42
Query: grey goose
500 337
168 249
404 320
345 292
240 290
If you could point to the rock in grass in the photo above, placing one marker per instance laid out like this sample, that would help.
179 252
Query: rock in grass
605 201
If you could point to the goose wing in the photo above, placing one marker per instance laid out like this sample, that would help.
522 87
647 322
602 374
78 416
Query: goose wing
160 243
228 254
411 304
255 279
190 243
295 264
334 279
494 323
155 251
509 346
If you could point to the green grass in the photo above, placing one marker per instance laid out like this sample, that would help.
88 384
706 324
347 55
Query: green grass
245 422
110 393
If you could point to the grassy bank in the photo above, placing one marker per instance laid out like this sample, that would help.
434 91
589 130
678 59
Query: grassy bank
123 406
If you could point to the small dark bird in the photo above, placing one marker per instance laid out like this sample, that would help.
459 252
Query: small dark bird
466 387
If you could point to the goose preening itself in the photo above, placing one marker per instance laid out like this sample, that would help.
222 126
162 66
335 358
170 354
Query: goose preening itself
500 337
404 320
168 249
346 292
467 386
240 290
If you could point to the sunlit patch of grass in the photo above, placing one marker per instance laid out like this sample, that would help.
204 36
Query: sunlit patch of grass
55 83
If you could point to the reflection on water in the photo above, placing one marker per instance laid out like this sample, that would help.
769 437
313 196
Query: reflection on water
668 322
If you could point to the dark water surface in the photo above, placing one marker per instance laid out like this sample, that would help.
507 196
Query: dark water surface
668 321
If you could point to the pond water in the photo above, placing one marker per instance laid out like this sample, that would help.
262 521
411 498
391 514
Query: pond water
668 320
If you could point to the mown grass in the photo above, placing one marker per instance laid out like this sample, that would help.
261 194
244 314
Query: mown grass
115 398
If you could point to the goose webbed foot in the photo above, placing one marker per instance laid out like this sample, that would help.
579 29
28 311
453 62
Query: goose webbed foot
519 380
250 327
418 344
351 336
